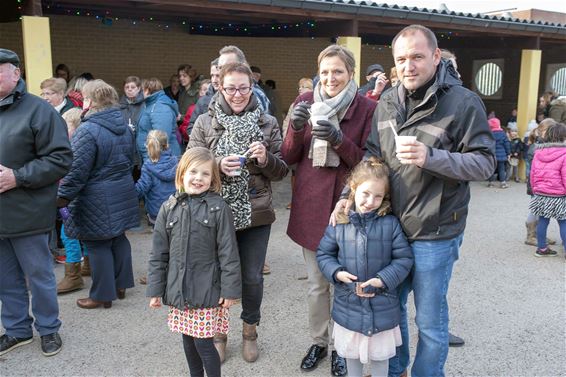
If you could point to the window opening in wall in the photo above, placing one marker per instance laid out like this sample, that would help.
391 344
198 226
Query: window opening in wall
488 79
558 81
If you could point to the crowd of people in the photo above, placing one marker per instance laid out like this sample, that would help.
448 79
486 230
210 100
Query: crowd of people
380 181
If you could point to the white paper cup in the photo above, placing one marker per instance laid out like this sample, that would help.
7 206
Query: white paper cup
401 141
242 163
316 118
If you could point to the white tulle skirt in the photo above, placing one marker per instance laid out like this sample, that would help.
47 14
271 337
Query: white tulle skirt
353 345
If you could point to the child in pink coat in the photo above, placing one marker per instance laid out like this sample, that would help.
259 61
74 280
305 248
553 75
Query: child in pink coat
548 182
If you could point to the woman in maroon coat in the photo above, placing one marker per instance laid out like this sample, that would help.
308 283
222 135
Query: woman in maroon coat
324 153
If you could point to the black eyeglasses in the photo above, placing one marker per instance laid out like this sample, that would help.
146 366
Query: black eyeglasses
243 91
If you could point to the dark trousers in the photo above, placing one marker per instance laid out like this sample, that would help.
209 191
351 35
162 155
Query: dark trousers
111 267
252 245
22 257
201 355
500 172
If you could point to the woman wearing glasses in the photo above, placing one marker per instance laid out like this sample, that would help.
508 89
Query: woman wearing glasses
325 153
246 143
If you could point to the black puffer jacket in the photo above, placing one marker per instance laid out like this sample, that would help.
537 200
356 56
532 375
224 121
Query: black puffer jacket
194 258
432 201
33 143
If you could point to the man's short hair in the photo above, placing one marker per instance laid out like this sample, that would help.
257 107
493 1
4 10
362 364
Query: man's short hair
412 29
152 85
231 49
214 63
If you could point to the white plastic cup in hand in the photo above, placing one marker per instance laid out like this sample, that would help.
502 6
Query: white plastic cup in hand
402 141
315 118
238 171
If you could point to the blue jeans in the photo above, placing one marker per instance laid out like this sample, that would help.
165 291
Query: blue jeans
429 280
542 227
28 257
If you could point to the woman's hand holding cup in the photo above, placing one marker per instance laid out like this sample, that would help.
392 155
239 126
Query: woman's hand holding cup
232 165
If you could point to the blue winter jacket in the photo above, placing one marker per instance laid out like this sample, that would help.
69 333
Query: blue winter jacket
367 247
160 113
502 145
103 200
157 182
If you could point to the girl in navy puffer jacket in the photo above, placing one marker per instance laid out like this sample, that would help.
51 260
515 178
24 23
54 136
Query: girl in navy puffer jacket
157 181
366 256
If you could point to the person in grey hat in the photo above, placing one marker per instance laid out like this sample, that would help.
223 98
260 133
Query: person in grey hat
35 154
376 82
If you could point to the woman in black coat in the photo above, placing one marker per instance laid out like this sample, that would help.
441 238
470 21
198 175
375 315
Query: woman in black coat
100 194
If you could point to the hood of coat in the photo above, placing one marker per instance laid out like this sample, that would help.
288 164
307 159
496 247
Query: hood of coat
165 168
550 152
162 98
561 101
139 99
111 119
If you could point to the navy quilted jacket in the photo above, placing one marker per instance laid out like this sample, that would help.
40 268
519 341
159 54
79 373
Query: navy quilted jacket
157 182
103 199
502 145
367 247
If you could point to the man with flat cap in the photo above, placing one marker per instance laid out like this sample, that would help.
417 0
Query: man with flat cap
35 154
376 82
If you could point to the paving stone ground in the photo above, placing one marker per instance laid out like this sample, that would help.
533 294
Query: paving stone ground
508 305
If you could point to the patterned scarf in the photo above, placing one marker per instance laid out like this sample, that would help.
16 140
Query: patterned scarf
240 132
321 152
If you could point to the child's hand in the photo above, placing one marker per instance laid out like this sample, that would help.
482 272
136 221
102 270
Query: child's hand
226 302
155 302
375 282
345 277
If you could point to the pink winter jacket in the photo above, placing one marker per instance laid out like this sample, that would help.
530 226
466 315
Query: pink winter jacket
548 170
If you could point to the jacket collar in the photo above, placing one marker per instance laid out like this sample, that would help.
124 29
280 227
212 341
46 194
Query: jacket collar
16 94
359 220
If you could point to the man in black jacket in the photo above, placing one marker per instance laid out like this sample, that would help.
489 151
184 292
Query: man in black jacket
444 142
35 154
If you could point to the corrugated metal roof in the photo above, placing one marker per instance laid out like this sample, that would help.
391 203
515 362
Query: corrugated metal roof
369 8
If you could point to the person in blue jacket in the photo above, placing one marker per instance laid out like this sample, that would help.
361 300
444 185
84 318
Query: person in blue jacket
502 153
157 181
160 113
366 256
100 194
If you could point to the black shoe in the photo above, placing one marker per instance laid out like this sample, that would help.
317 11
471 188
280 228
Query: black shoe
51 344
313 356
338 365
8 343
455 341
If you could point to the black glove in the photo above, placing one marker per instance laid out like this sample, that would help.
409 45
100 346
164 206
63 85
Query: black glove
300 115
324 130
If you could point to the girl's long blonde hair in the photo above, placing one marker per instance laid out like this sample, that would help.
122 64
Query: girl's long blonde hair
156 143
371 169
197 156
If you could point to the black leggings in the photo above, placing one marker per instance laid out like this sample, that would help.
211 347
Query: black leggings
201 352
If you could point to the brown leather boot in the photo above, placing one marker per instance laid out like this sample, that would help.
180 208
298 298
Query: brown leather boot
85 269
72 280
249 343
531 234
220 341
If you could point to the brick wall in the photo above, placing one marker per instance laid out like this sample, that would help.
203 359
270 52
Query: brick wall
147 50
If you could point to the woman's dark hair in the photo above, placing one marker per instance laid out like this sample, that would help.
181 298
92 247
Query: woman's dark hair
235 67
556 133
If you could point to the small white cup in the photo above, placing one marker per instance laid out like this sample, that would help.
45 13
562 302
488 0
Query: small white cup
242 163
403 140
316 118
